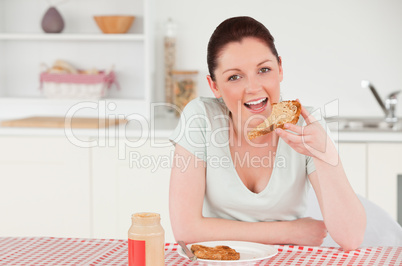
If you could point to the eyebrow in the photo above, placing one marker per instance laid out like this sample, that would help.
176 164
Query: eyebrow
231 69
265 61
236 69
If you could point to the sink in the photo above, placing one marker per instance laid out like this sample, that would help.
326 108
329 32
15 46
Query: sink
376 124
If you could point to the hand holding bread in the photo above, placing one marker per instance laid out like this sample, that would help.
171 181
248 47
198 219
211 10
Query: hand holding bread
310 139
282 112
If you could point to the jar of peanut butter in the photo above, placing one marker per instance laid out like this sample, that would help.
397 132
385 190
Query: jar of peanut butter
146 240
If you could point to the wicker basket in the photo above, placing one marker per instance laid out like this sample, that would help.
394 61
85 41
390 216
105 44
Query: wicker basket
76 86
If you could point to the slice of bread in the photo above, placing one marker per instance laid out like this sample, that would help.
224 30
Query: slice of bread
282 112
215 253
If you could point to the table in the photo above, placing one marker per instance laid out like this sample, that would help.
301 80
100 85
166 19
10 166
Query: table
82 251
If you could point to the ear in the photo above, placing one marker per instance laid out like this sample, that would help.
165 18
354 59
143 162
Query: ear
214 88
280 69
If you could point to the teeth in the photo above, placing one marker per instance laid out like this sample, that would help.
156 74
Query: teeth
256 102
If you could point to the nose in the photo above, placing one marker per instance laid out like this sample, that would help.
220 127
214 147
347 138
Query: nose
253 85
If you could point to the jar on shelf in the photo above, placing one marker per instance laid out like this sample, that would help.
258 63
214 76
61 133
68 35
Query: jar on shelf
184 88
170 58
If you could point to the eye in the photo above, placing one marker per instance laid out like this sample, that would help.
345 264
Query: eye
264 70
234 77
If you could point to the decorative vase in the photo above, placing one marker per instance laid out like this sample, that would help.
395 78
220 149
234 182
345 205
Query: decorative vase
52 21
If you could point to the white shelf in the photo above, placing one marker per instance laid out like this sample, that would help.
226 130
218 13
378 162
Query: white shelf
71 37
40 100
23 46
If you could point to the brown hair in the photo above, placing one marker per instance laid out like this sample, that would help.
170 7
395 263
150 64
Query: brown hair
234 30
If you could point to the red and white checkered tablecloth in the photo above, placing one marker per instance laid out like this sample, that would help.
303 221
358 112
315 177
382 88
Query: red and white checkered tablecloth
80 251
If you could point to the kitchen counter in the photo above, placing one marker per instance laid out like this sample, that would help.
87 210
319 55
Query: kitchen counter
164 125
367 136
125 131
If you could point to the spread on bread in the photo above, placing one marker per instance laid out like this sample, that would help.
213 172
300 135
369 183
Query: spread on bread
215 253
282 112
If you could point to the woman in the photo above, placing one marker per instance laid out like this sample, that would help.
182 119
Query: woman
226 187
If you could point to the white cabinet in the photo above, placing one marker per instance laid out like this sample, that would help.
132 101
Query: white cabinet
24 46
354 160
135 181
44 188
384 166
51 187
373 169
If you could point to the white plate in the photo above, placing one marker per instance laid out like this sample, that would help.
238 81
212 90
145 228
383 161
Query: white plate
249 251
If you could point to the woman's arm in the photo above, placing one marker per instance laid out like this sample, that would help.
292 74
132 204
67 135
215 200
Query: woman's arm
343 213
187 189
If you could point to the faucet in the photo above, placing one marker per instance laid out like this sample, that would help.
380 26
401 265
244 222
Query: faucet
389 108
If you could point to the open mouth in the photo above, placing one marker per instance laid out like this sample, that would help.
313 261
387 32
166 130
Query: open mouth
257 105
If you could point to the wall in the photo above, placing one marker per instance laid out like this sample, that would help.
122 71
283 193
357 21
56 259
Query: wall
77 14
327 47
2 66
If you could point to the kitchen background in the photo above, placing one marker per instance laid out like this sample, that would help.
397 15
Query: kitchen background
327 48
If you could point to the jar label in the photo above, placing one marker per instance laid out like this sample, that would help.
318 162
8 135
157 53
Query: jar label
136 252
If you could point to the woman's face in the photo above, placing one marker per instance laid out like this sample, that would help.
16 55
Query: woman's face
248 78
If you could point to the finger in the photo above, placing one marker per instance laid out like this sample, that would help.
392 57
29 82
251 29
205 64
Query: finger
294 128
288 137
309 118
